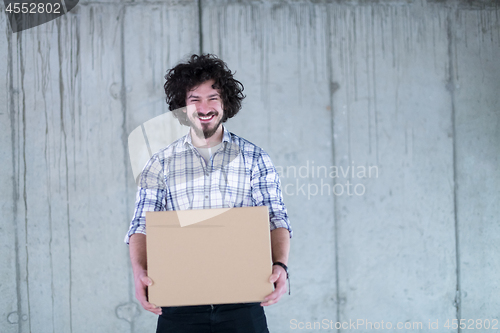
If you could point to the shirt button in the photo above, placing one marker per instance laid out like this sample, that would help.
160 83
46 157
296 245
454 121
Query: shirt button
206 196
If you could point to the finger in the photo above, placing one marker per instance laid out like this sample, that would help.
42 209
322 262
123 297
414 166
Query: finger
157 311
274 277
146 281
270 302
274 296
271 298
154 309
151 307
280 285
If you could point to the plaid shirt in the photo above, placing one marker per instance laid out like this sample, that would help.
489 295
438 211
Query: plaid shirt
239 174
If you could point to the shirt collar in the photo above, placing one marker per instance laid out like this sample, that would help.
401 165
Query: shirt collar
225 136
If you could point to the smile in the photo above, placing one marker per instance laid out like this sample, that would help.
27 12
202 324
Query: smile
206 118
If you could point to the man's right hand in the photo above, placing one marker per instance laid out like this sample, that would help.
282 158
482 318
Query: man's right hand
142 281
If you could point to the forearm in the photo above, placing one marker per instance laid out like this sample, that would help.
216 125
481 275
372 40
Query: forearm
137 249
280 245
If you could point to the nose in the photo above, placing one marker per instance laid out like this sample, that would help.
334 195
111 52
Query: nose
203 107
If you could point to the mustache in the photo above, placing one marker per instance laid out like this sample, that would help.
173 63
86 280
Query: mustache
214 113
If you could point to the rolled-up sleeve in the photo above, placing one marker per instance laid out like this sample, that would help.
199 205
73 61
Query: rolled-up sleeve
150 196
266 191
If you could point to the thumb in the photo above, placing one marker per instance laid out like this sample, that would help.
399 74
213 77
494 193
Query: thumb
147 281
274 277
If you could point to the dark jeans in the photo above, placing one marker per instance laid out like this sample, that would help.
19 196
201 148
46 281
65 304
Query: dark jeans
219 318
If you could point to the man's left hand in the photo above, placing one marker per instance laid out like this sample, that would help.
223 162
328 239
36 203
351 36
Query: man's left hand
278 277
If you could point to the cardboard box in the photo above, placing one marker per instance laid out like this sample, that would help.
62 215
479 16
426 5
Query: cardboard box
209 256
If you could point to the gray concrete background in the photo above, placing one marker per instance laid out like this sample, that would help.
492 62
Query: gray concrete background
408 88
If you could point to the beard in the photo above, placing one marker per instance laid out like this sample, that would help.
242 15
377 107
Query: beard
205 130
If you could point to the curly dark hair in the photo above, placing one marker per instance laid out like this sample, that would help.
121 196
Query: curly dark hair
198 69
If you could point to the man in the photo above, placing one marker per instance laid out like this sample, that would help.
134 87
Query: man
208 168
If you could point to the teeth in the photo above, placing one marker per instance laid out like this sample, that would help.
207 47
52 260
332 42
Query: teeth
206 118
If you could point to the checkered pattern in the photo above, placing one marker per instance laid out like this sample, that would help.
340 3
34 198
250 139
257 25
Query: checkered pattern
239 174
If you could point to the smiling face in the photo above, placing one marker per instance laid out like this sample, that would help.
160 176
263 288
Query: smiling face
204 110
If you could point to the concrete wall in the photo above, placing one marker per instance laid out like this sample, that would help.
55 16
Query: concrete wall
405 91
